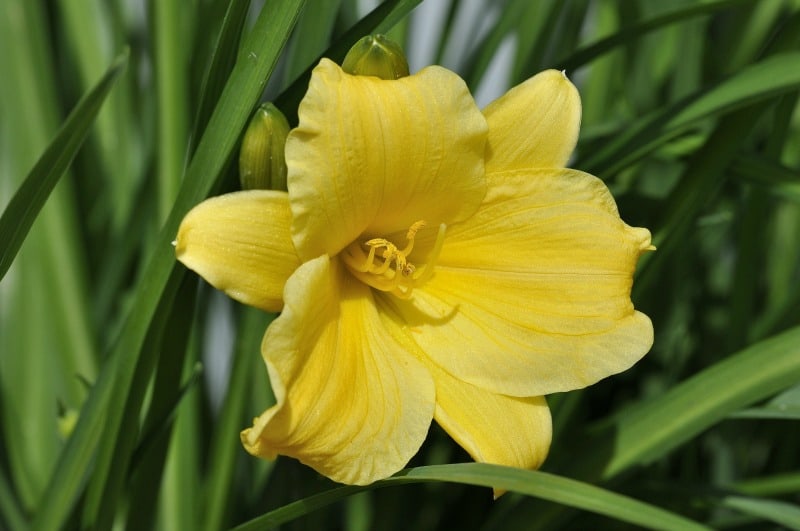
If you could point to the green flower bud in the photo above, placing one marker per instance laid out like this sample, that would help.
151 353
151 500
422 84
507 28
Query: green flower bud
375 55
67 419
262 163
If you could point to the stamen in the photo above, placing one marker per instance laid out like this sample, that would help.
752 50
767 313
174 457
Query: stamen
425 272
401 279
411 234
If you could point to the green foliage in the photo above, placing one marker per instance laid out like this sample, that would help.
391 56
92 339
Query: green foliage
112 412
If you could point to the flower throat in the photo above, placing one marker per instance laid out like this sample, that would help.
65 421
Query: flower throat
383 265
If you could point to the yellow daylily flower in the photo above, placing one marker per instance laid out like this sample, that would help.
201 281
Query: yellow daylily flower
431 261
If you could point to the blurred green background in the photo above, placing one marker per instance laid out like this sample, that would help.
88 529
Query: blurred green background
124 381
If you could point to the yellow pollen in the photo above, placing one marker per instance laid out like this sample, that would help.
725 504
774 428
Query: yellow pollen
386 267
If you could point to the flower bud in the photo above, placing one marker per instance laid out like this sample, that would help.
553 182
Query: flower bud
67 419
375 55
262 163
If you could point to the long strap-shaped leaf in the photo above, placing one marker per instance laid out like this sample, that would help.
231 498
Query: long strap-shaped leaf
532 483
780 512
100 416
761 81
32 194
652 429
379 20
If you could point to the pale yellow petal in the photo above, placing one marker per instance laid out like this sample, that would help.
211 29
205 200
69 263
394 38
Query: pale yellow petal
491 427
534 125
531 296
371 157
352 403
241 244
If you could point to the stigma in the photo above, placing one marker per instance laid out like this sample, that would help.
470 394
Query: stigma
381 264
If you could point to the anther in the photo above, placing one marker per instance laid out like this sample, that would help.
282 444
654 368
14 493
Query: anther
392 272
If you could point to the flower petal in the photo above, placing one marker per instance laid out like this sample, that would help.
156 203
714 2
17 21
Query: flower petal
493 428
372 156
241 244
535 288
533 125
352 403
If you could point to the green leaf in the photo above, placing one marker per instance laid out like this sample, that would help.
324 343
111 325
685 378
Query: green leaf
310 38
778 512
767 79
784 406
10 512
37 370
514 17
630 33
101 413
181 506
529 482
32 194
777 485
789 398
91 34
171 76
750 236
147 462
652 429
222 62
218 492
769 412
380 20
769 174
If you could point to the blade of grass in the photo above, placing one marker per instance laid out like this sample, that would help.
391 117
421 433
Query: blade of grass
529 482
100 416
30 197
